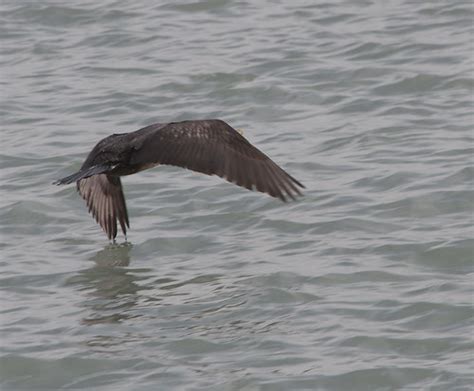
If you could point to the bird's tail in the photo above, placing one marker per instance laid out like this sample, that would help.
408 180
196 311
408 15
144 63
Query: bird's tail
83 173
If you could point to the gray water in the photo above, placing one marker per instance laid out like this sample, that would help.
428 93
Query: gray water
366 283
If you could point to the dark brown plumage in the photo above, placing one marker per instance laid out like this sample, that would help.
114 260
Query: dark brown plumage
208 146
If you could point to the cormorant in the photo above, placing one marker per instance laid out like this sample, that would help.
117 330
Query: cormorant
211 147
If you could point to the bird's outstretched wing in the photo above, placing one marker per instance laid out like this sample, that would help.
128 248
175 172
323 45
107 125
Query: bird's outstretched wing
215 148
104 197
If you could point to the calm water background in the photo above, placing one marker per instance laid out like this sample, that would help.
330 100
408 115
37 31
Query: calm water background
364 284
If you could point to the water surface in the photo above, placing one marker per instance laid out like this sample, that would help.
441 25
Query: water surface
363 284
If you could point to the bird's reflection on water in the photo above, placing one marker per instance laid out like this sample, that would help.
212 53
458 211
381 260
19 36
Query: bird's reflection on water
113 255
183 305
110 288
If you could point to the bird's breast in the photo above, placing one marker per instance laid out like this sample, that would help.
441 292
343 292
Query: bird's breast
122 170
147 166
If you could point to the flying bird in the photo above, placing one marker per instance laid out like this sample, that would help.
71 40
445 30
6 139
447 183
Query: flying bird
210 147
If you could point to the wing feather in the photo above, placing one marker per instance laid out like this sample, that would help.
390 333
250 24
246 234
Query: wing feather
104 198
213 147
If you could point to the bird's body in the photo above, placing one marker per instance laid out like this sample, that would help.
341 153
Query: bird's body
208 146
